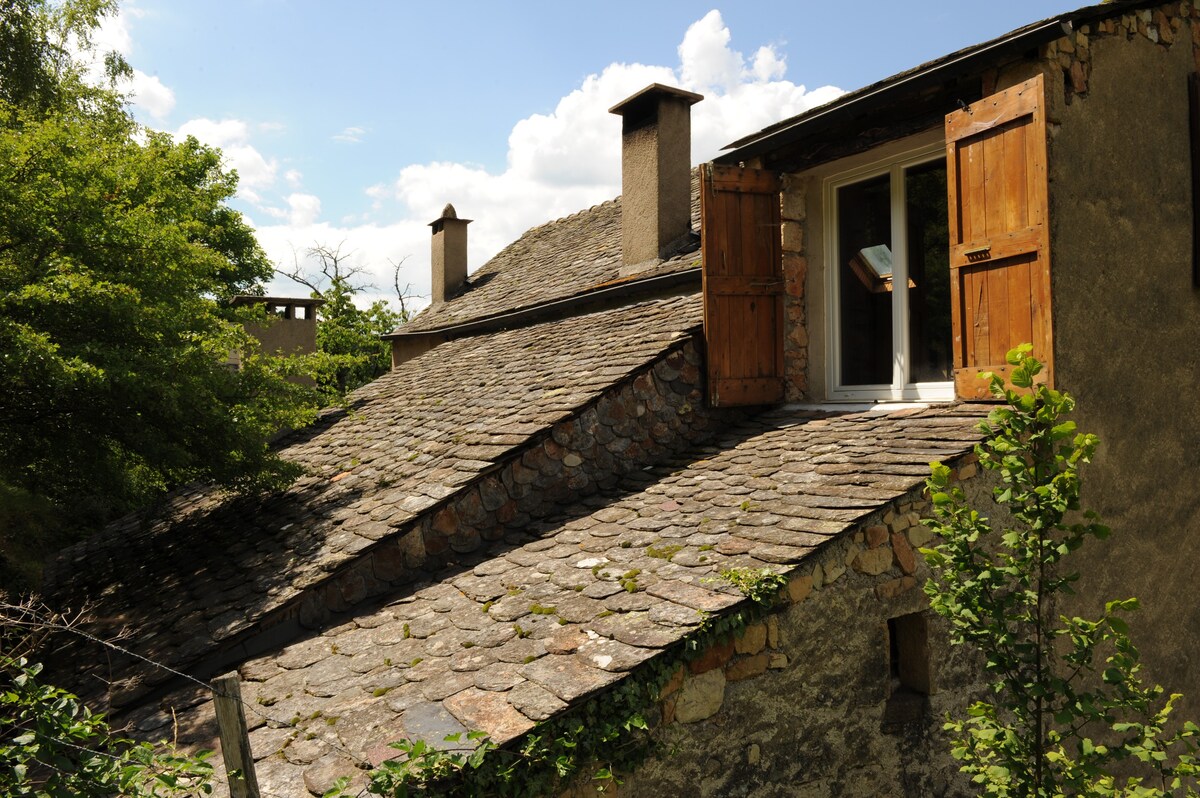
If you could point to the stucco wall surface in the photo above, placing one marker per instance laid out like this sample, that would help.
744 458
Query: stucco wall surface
1127 318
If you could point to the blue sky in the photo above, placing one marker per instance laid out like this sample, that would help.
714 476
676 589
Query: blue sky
353 123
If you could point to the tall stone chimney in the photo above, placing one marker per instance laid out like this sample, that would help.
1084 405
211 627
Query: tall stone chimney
656 171
449 255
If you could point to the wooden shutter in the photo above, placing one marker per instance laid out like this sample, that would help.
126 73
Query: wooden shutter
999 233
743 285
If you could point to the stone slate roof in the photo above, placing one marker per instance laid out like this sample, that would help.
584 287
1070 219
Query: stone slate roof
205 568
557 260
550 615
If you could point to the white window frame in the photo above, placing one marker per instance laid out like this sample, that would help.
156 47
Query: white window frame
900 388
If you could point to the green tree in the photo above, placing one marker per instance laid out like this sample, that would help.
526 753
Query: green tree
1070 711
118 258
348 337
37 69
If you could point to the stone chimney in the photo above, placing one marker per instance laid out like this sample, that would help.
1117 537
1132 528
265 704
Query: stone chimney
656 172
449 255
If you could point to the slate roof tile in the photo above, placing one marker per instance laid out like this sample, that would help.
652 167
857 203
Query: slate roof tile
204 568
502 665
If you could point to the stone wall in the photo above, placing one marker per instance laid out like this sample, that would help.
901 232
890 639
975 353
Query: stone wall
804 703
795 273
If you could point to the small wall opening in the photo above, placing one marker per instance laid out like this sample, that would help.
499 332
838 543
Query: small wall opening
909 672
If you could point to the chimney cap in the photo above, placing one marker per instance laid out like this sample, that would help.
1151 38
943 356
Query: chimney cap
448 214
652 94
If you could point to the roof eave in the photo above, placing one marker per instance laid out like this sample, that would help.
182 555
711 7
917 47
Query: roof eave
528 315
886 91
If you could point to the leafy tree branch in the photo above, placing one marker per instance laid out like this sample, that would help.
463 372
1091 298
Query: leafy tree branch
1071 715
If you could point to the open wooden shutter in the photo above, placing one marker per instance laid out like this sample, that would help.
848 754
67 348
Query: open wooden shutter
999 233
743 285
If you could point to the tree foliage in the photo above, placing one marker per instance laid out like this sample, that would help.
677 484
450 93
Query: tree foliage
118 258
38 70
52 745
1070 711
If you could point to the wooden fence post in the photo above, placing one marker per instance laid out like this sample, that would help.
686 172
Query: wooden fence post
235 737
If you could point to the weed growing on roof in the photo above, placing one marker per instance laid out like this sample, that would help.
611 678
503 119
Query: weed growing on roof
759 585
541 609
664 552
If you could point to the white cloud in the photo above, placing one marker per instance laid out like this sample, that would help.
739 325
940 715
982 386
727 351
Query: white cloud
149 94
303 209
707 63
113 33
350 135
293 178
216 134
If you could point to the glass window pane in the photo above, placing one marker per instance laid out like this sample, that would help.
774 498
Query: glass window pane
865 281
928 273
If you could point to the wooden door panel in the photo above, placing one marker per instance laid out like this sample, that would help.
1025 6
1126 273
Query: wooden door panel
743 285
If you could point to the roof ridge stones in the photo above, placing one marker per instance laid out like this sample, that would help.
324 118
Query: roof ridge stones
558 260
630 397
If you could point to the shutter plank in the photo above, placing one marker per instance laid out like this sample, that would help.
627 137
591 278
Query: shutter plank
1005 245
1016 180
976 182
1020 307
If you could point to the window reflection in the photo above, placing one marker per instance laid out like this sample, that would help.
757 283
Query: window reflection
864 235
928 272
